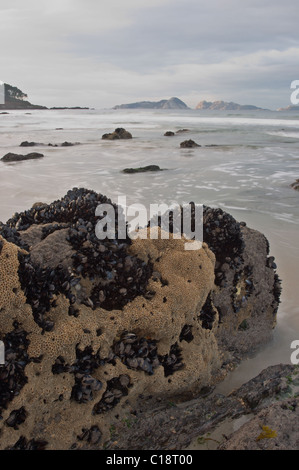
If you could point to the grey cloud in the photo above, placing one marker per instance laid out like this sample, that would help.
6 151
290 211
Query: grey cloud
100 53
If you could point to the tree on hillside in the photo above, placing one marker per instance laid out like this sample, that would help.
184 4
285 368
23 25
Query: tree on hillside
14 93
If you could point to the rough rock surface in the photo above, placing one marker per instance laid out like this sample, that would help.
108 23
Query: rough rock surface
119 133
92 328
189 144
142 169
269 400
14 157
34 144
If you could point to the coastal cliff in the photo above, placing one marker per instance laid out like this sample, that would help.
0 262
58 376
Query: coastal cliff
16 99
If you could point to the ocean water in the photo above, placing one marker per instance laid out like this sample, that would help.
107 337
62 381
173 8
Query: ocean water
245 166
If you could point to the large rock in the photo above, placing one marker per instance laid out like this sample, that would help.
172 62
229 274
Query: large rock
14 157
266 405
94 328
142 169
119 133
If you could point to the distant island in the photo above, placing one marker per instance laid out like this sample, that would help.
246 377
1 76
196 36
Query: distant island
226 106
172 103
15 99
289 108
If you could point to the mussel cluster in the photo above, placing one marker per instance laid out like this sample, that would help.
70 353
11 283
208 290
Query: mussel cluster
12 375
240 296
117 388
207 314
91 436
221 231
40 286
76 204
12 235
186 334
118 277
85 384
223 234
16 418
141 354
32 444
137 353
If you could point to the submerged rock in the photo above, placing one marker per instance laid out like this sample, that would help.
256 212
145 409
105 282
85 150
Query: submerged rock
181 131
33 144
94 328
142 169
119 133
189 144
28 144
295 185
13 157
169 134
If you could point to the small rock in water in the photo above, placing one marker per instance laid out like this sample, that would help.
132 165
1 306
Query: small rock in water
169 134
189 144
14 157
142 169
119 133
295 185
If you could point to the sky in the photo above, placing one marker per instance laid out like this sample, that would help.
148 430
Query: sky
100 53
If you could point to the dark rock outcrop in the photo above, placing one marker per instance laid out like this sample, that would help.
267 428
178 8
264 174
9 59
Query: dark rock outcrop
119 133
169 134
14 157
34 144
142 169
95 329
189 144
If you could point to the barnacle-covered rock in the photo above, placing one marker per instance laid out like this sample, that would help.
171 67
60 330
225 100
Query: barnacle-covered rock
93 327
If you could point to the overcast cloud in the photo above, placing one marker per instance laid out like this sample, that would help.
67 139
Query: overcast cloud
99 53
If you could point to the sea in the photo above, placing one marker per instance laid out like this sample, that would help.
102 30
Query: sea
245 165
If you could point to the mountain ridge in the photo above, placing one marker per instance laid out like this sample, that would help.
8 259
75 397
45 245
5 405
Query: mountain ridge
171 103
225 106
